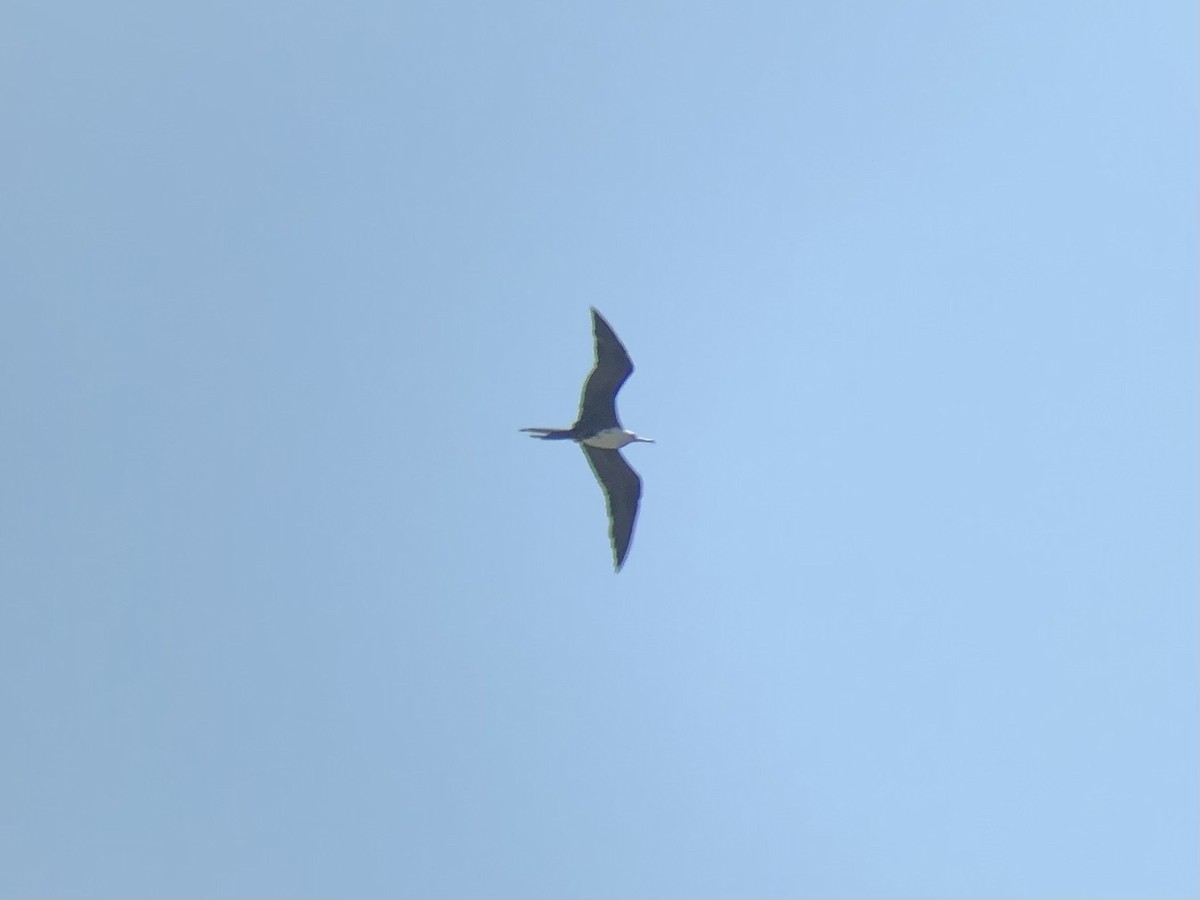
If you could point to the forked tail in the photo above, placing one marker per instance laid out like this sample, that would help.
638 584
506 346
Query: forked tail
550 434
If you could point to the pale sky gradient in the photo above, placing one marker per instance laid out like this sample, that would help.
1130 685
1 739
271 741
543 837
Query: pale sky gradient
288 607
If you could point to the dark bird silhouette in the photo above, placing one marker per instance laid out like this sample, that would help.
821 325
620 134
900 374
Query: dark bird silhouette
598 431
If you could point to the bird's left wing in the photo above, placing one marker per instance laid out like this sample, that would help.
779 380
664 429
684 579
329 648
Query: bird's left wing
622 490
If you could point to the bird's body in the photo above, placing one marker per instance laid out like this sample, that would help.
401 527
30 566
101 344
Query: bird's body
611 439
598 431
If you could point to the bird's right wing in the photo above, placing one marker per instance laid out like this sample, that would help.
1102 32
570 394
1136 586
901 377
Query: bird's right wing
598 405
622 490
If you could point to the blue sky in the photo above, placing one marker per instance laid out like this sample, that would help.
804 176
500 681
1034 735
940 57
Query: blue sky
289 607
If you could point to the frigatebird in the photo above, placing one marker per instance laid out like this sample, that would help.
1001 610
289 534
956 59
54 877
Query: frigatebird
598 431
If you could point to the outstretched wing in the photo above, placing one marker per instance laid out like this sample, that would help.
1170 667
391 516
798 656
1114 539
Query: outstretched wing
598 405
622 490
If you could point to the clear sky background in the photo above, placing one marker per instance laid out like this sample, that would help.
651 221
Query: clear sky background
289 607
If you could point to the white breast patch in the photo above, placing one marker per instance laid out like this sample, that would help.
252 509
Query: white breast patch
609 439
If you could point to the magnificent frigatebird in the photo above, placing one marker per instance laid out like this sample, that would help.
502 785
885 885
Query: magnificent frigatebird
598 431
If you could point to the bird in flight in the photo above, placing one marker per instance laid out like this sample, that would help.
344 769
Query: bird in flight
598 431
